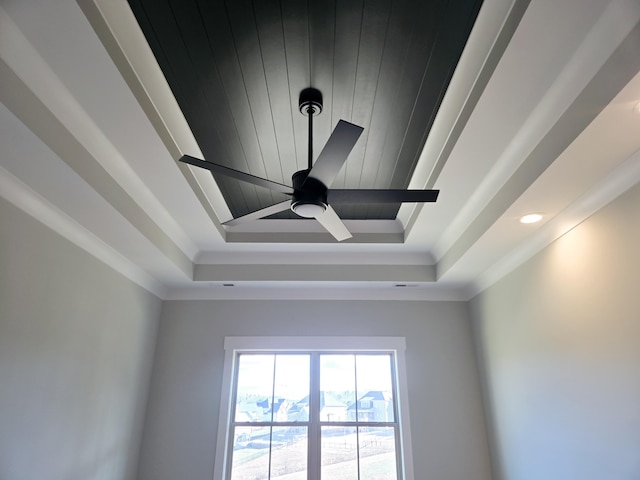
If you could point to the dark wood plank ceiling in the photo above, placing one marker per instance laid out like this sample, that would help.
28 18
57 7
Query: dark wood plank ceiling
237 67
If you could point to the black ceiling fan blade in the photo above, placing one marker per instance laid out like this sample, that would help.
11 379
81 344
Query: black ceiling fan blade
264 212
230 172
364 196
333 224
335 152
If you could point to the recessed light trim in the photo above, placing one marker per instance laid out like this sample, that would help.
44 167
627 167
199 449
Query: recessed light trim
531 218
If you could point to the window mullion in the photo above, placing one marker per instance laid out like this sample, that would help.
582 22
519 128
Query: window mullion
313 472
273 393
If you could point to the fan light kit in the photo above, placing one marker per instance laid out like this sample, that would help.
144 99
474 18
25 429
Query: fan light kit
308 210
311 196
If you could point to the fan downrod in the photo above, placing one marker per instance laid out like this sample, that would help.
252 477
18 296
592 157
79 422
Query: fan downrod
310 200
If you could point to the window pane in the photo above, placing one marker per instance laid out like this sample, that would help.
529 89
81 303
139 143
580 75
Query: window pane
339 453
250 459
274 388
377 453
291 389
375 395
289 453
255 388
337 387
253 445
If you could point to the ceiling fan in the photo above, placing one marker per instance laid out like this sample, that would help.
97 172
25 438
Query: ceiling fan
311 196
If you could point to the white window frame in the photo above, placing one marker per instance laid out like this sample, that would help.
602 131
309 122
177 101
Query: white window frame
235 345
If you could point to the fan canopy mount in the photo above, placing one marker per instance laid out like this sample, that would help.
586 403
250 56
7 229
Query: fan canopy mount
311 195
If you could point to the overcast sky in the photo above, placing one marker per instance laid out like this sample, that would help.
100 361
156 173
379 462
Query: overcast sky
255 374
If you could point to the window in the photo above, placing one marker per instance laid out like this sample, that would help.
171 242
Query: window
317 408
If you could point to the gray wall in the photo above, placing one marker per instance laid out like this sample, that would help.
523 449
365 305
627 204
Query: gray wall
560 338
76 344
448 435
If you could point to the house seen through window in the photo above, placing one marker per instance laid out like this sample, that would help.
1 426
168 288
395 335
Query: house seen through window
316 414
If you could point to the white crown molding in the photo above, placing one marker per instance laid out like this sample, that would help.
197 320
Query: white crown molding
356 256
118 29
611 29
307 274
623 178
318 291
30 68
20 195
491 33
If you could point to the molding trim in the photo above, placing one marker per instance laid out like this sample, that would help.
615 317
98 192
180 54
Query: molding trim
622 179
390 274
21 196
319 291
35 95
119 32
491 34
611 74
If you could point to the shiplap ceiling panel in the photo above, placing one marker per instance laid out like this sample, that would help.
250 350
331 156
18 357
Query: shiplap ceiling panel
236 69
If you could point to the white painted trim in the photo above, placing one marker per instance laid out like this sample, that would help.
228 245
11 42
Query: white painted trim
36 75
487 28
601 42
24 198
312 291
328 344
261 225
224 417
626 176
402 394
359 255
392 274
124 28
395 345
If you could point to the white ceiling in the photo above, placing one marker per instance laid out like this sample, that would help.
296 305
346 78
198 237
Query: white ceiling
539 117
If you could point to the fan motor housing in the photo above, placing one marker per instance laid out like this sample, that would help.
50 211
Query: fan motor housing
311 200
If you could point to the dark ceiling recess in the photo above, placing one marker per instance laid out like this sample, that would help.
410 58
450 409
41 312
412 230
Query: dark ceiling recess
237 68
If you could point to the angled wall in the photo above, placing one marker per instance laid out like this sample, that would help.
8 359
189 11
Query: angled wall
560 341
76 345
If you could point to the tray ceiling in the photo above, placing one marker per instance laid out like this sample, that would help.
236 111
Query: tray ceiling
538 114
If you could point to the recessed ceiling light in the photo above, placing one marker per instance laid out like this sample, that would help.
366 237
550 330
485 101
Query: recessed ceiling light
531 218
